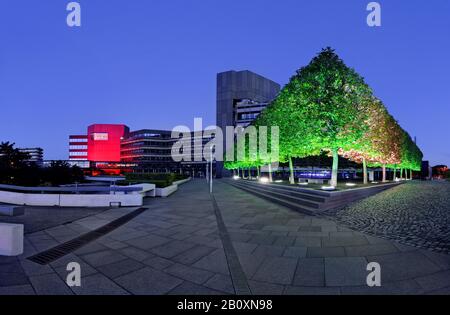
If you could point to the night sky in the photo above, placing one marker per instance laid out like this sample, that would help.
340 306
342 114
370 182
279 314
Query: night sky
153 63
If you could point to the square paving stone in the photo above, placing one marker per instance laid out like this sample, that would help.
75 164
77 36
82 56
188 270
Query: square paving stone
172 248
90 248
308 241
370 250
315 252
215 262
189 288
441 260
345 271
264 288
250 263
435 281
269 250
263 239
148 281
148 242
120 268
191 274
158 263
135 253
241 247
12 279
279 270
50 284
103 258
310 272
98 284
193 254
295 251
344 241
294 290
393 288
404 265
220 283
285 241
17 290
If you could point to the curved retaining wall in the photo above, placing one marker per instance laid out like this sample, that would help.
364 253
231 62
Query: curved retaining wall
66 200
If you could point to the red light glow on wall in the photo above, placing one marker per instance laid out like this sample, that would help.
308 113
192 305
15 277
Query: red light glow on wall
104 142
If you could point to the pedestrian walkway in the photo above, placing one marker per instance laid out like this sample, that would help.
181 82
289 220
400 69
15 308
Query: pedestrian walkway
191 243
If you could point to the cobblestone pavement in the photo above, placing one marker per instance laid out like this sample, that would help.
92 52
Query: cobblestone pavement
233 243
416 213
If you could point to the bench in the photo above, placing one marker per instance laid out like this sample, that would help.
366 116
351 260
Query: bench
11 239
11 211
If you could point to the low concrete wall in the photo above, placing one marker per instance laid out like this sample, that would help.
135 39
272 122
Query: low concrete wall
167 191
71 200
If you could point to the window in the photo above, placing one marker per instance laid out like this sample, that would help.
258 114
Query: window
100 136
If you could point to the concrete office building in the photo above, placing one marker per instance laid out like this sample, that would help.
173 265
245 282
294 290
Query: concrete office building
36 155
241 96
114 149
151 151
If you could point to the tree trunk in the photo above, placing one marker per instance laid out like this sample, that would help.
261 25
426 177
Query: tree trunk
270 172
384 173
410 175
334 171
365 172
395 172
401 173
258 172
291 172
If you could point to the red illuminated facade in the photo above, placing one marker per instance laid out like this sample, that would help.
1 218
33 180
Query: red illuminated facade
104 142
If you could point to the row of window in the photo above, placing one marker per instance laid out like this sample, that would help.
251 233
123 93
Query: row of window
78 153
78 147
78 140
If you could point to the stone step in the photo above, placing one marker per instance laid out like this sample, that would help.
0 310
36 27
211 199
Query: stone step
279 201
297 198
293 191
289 196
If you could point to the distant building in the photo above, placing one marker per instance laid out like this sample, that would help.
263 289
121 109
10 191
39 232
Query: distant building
114 149
440 171
78 148
425 172
36 155
241 96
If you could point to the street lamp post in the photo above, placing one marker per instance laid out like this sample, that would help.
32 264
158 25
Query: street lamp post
211 172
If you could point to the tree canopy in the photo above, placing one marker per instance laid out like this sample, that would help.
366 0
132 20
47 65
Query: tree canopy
327 107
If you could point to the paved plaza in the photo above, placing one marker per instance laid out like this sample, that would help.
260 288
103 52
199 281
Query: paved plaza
232 243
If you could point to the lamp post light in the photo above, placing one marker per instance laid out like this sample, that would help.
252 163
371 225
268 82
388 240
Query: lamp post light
211 173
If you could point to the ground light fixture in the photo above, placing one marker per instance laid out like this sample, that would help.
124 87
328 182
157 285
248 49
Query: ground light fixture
264 180
303 183
235 177
328 188
374 182
350 184
278 181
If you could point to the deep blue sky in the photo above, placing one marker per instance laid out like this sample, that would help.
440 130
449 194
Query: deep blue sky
153 63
